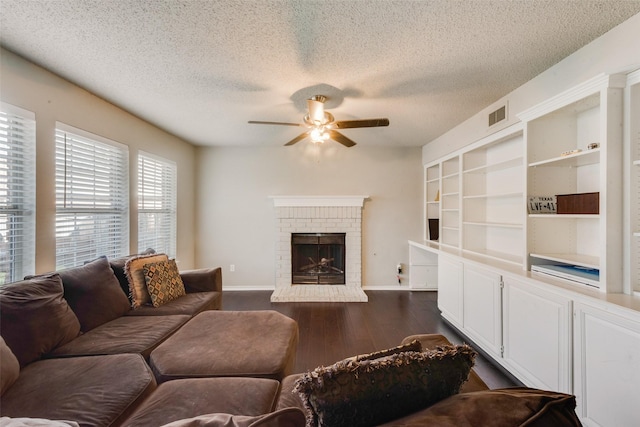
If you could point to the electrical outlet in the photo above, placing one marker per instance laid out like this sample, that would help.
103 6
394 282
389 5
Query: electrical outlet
232 268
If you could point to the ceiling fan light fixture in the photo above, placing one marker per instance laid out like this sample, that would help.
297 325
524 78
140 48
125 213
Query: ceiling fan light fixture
319 135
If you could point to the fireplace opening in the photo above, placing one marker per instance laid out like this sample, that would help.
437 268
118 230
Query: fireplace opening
318 258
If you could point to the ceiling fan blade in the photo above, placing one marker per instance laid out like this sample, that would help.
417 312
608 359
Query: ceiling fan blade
367 123
338 137
316 110
274 123
297 139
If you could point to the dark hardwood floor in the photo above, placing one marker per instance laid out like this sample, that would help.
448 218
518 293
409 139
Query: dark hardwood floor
333 331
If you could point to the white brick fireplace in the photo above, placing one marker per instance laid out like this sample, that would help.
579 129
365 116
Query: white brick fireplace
319 214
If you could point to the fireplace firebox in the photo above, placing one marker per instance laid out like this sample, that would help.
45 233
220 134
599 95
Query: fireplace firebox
318 258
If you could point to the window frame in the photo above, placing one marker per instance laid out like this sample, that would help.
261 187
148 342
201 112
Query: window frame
21 199
87 209
164 197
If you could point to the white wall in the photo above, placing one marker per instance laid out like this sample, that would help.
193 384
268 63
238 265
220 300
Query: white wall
616 51
52 99
236 218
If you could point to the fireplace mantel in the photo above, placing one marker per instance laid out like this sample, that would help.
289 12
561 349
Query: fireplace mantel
318 201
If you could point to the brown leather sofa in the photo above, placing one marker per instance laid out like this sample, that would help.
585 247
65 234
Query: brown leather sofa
73 348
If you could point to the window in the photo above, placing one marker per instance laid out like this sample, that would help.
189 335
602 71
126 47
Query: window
156 204
17 193
92 197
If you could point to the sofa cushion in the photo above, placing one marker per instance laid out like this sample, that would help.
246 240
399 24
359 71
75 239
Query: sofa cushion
9 367
93 391
134 269
235 396
190 304
93 293
163 282
518 406
127 334
371 392
289 417
35 318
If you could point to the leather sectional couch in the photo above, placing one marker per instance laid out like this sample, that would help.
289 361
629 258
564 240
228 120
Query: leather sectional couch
74 348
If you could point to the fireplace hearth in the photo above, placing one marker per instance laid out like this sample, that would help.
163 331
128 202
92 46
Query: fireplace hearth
318 258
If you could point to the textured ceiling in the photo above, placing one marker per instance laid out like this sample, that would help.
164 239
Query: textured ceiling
201 69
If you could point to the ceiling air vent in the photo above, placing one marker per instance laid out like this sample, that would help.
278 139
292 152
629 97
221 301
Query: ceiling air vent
498 115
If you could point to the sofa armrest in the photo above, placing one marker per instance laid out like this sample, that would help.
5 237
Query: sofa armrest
202 280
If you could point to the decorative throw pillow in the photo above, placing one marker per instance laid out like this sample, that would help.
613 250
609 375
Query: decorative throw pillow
117 265
163 281
93 292
371 392
9 367
35 318
133 268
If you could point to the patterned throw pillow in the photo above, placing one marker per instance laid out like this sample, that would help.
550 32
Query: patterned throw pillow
371 392
163 282
135 274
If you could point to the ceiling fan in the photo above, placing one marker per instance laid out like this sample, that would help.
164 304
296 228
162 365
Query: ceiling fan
322 125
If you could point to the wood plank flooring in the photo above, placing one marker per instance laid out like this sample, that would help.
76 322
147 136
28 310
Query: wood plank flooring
333 331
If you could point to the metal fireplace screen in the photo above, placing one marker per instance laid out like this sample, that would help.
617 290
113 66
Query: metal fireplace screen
318 258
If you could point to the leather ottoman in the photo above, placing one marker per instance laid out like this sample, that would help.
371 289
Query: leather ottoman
179 399
259 344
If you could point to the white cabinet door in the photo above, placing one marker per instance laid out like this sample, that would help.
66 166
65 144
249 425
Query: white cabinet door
450 289
537 335
607 366
482 308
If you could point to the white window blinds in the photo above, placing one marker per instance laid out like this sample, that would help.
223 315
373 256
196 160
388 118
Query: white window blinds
92 197
17 193
157 181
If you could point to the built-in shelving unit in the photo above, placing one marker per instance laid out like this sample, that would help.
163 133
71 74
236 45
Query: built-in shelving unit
480 197
432 199
493 197
632 176
516 282
450 214
574 145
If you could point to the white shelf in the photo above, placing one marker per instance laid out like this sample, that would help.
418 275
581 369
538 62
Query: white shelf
493 224
572 259
495 255
636 162
451 175
583 158
493 167
497 195
456 194
565 216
